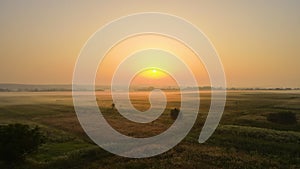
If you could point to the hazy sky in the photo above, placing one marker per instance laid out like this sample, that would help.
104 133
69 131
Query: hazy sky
257 41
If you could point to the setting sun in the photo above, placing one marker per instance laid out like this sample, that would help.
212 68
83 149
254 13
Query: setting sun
153 73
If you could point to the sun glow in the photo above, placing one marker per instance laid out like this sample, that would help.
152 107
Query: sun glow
153 73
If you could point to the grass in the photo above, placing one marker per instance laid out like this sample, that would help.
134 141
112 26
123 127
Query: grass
54 151
244 139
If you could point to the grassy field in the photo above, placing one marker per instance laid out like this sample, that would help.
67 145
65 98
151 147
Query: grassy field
244 138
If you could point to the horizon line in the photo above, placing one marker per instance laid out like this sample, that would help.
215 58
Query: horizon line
187 86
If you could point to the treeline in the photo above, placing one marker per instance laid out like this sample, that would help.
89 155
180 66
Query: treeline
44 90
33 90
47 88
263 88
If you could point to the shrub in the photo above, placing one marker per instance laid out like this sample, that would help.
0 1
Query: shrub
16 140
174 113
282 118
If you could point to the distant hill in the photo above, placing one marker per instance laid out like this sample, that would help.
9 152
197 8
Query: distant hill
6 87
10 87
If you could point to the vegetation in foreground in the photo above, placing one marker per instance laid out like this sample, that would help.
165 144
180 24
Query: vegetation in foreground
16 141
246 138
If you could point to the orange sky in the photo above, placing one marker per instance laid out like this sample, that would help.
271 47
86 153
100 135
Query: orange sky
149 41
257 41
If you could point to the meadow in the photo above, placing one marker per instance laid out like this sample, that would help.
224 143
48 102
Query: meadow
245 137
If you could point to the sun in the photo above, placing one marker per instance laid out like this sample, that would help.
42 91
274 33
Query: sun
153 73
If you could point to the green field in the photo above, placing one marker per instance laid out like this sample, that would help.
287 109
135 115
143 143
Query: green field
244 138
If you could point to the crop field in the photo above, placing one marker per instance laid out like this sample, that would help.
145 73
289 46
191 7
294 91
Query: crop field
245 137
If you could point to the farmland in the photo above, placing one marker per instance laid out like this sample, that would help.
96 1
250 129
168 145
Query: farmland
245 137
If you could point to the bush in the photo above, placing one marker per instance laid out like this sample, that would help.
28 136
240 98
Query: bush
282 118
16 140
174 113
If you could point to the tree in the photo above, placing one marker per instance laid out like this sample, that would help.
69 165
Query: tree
17 140
174 113
113 106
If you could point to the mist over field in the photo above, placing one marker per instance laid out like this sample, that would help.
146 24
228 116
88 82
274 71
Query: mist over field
245 138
